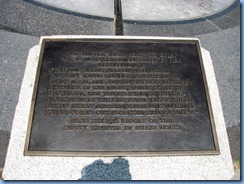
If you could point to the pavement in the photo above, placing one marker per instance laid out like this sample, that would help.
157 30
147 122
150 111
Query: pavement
22 23
169 10
31 19
140 9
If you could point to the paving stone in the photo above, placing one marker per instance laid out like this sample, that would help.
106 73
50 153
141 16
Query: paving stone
4 137
228 18
14 49
89 7
167 10
183 29
24 17
224 20
234 140
224 47
1 170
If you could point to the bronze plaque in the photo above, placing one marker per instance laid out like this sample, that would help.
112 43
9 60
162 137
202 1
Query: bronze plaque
120 97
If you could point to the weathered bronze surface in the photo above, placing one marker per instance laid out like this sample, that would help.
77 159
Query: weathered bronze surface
116 97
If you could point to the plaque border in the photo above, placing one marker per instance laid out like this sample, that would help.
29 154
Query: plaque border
119 39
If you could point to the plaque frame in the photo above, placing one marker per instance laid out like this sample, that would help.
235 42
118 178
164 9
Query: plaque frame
117 39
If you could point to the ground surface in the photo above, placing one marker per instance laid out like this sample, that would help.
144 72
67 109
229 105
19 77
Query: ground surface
22 23
154 10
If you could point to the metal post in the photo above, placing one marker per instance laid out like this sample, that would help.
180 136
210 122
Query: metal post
118 19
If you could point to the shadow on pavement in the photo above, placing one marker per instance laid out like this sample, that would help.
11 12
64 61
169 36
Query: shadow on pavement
98 170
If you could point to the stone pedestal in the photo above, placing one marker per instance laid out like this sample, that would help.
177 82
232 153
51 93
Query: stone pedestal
207 167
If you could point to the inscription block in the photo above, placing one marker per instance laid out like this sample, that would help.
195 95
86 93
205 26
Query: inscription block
120 97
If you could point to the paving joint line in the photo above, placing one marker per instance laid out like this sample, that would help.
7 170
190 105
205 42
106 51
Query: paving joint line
213 24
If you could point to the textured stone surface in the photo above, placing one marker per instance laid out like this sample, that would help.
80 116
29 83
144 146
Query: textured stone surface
101 8
225 52
183 29
227 19
14 50
142 9
141 168
223 20
1 174
4 137
165 10
234 139
23 17
237 175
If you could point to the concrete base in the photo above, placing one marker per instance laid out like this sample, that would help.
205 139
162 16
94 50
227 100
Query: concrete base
20 167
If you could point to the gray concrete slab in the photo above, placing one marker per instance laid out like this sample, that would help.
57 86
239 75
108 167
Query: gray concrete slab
1 171
234 139
154 10
14 50
228 20
168 10
101 8
24 17
224 47
223 20
169 29
4 137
